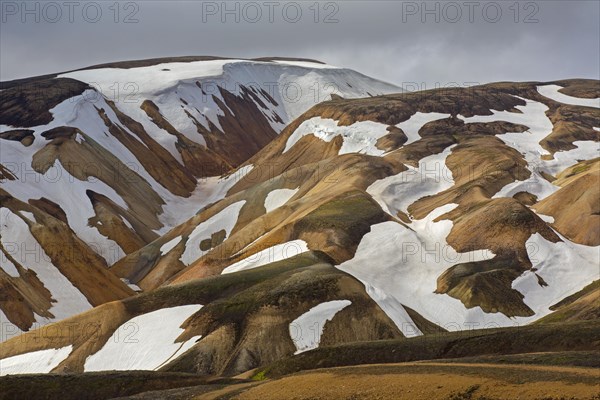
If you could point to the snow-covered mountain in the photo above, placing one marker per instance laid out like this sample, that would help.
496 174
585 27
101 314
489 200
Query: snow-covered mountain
358 218
111 157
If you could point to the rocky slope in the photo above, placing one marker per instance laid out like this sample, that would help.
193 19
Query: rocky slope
380 217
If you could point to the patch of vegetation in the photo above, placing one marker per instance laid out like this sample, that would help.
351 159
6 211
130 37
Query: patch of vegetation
352 214
286 288
204 291
260 376
345 213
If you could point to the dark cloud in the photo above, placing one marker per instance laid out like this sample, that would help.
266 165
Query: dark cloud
391 40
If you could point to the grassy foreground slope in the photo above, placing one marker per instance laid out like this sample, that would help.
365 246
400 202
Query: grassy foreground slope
573 336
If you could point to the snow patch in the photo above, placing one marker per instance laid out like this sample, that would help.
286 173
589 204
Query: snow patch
546 218
127 223
527 143
170 245
57 184
566 267
396 193
413 125
360 137
278 197
27 215
540 186
394 310
533 115
132 286
209 191
535 184
224 220
584 150
409 261
306 330
145 342
8 266
278 252
552 92
36 362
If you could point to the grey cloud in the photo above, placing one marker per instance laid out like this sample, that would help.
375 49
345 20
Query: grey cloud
373 37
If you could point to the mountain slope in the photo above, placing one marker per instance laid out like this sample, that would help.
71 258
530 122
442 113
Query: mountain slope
111 157
234 322
479 245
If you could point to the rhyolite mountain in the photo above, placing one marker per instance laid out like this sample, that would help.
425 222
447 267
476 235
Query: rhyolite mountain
98 163
214 216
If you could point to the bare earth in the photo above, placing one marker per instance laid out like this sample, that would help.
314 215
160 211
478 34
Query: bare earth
427 381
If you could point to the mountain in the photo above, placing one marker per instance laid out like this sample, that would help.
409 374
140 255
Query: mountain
369 215
99 162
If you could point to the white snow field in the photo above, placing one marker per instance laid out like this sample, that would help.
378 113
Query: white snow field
585 150
224 220
306 330
145 342
552 92
57 184
396 193
278 197
413 125
528 143
410 259
360 137
131 285
269 255
295 87
170 245
565 266
177 209
8 267
36 362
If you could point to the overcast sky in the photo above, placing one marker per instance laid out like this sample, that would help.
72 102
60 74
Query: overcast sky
394 41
